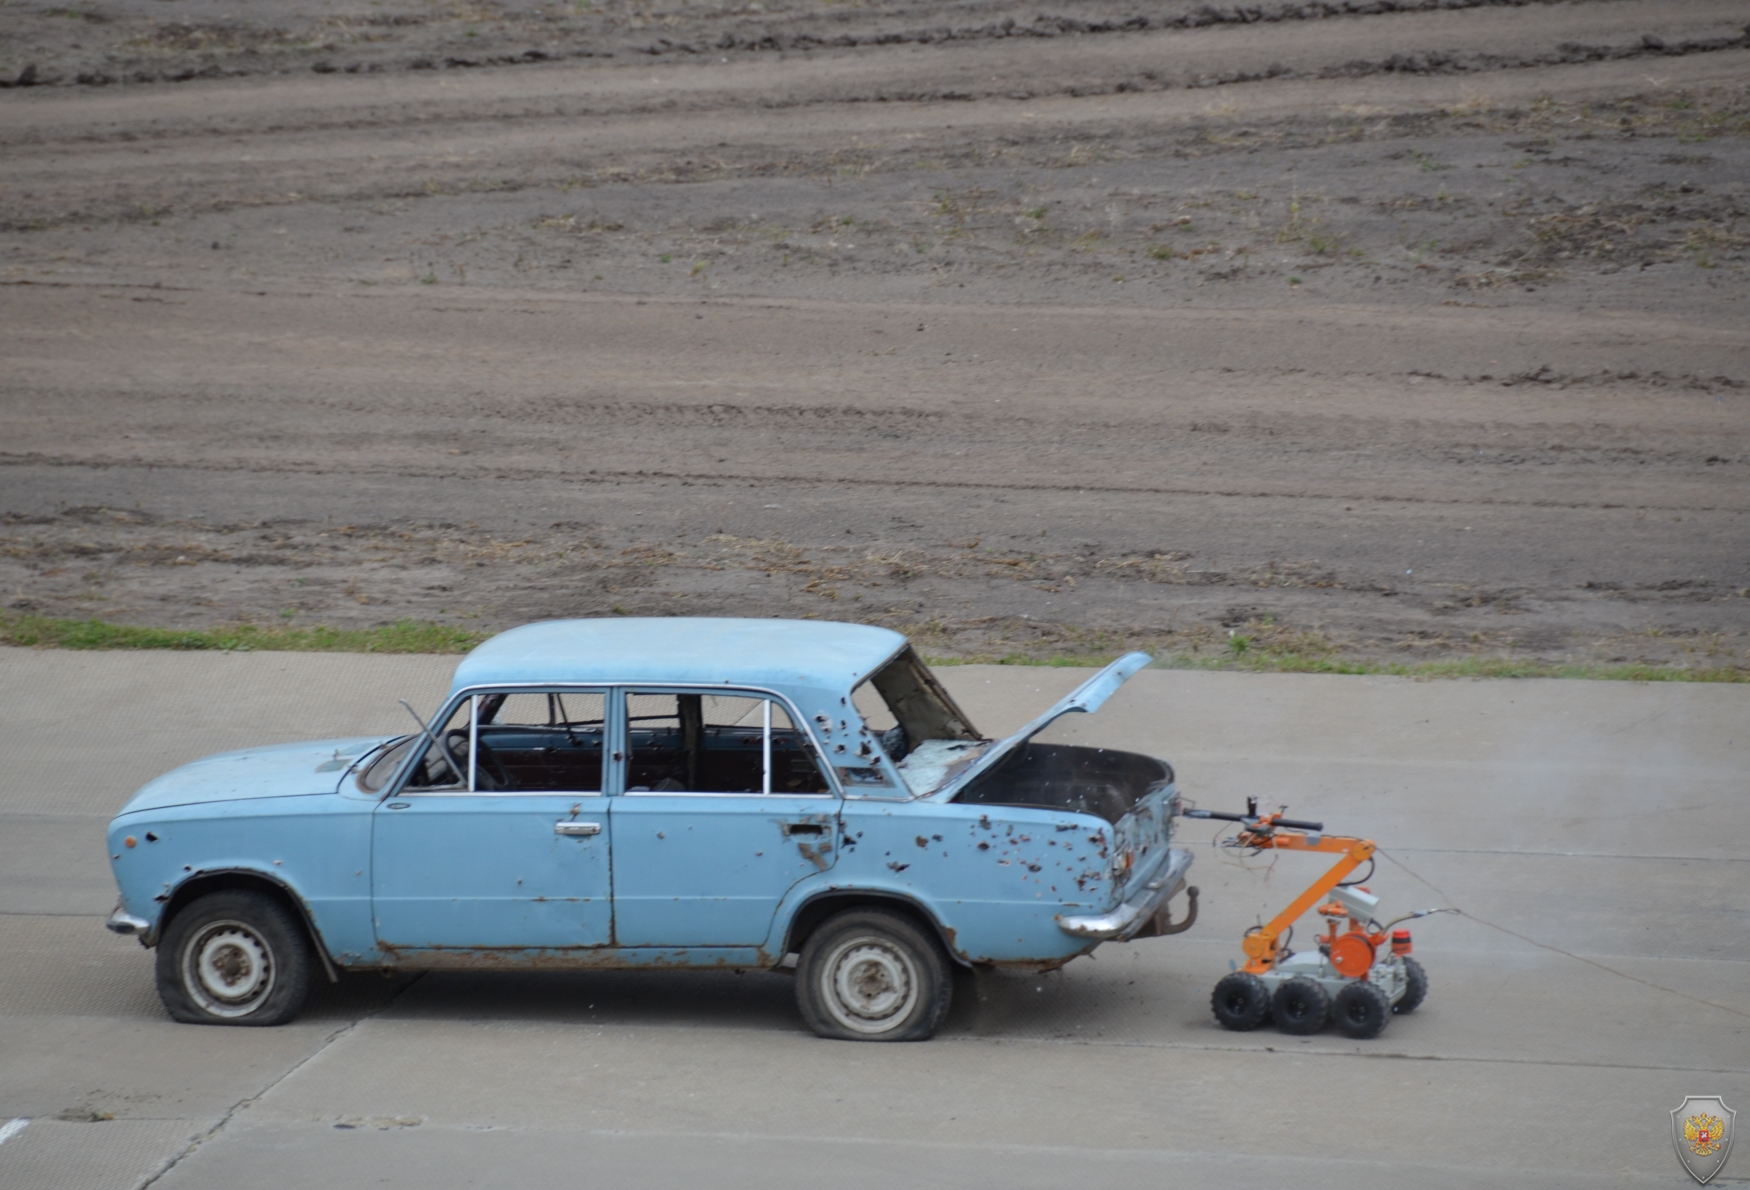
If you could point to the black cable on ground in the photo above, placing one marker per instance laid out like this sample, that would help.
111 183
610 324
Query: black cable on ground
1556 949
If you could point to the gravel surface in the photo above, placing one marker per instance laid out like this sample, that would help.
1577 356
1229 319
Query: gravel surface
1394 330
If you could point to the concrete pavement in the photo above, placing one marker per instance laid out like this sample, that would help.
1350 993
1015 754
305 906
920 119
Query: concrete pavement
1594 833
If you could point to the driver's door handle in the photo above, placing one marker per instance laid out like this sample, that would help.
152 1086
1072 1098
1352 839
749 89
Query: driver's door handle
579 829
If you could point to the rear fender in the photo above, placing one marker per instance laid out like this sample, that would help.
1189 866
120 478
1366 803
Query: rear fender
816 906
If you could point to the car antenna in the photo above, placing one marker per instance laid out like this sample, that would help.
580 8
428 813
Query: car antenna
421 722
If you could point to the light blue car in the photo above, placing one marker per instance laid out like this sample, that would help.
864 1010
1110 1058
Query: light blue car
793 795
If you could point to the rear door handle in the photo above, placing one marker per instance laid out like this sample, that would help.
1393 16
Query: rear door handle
802 828
579 829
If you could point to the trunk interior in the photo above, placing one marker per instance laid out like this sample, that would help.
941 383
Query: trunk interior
1069 777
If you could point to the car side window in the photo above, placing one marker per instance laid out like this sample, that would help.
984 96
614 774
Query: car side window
529 742
547 741
716 743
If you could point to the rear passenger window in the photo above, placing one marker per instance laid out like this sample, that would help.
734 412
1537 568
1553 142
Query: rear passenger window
716 743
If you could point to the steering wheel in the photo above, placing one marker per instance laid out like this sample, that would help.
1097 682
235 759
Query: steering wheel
489 771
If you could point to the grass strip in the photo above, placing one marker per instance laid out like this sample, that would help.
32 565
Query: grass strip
418 636
404 636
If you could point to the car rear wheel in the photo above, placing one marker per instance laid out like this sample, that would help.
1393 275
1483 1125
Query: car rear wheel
234 958
871 975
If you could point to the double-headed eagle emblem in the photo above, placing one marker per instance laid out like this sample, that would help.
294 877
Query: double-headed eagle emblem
1702 1134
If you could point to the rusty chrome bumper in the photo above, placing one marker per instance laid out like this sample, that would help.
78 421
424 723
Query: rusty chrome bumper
123 922
1130 917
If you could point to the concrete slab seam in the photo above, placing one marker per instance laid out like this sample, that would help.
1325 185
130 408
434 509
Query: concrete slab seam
245 1102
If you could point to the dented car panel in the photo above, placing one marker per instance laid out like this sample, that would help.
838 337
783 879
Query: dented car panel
710 871
316 846
671 793
466 871
995 878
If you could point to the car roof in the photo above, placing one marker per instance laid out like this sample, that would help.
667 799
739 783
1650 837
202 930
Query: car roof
790 655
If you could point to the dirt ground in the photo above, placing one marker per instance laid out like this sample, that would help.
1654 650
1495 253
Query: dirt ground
1404 330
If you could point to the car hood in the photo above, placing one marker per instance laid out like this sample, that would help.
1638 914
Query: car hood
942 768
284 770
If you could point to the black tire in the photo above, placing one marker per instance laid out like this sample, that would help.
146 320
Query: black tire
1415 987
1360 1010
1300 1006
1240 1002
234 958
872 975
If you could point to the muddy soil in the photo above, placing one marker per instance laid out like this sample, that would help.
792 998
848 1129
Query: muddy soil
1399 330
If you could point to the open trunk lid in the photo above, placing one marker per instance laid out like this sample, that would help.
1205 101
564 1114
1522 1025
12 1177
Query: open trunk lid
1086 698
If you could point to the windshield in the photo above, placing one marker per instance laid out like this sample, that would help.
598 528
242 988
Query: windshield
376 774
903 706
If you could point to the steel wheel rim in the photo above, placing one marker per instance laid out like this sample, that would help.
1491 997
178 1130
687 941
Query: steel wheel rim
228 968
870 985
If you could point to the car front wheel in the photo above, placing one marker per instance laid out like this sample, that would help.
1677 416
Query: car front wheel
871 975
234 958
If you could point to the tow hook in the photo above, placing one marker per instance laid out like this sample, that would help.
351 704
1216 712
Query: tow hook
1162 923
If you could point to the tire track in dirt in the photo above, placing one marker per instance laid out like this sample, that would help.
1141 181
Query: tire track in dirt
226 48
1358 47
499 472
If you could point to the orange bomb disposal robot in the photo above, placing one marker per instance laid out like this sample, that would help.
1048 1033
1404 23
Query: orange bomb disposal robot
1356 978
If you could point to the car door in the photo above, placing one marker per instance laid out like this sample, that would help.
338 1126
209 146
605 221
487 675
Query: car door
513 852
725 808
